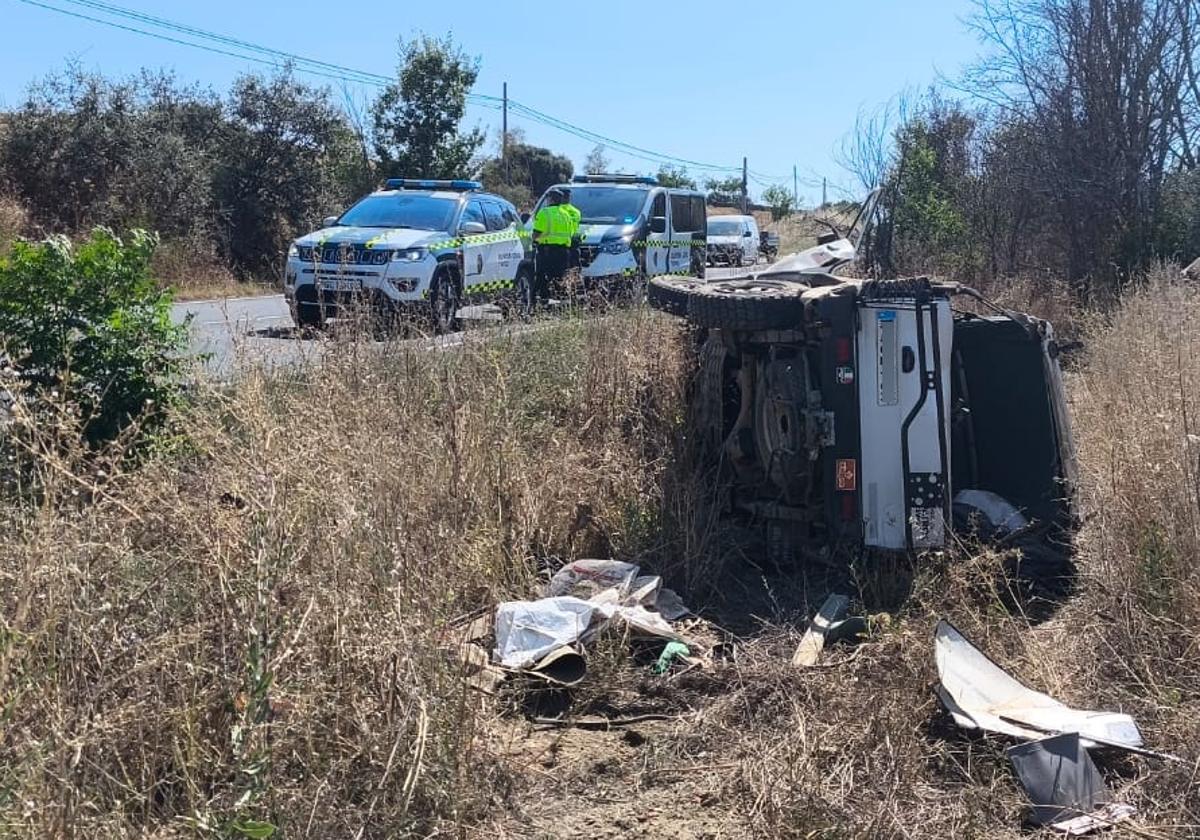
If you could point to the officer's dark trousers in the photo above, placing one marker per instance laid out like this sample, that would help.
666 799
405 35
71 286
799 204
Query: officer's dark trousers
551 262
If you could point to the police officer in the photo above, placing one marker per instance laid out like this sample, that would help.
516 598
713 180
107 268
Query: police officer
553 230
572 211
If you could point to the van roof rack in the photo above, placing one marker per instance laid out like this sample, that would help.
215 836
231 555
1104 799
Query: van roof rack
429 184
605 178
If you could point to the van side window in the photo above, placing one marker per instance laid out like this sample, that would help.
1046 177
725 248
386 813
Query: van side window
698 213
659 207
681 213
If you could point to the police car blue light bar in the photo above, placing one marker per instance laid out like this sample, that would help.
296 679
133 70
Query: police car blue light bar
602 178
428 184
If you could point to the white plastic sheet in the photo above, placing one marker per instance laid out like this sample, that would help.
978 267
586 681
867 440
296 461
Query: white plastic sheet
528 630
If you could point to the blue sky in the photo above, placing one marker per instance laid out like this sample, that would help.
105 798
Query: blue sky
705 81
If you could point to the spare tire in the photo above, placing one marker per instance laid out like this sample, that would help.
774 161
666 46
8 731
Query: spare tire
748 303
671 294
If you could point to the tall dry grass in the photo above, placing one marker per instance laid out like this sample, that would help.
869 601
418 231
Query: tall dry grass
248 628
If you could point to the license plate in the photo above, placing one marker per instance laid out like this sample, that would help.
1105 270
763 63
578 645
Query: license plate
339 284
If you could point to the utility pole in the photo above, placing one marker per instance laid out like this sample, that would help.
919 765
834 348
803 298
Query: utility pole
795 188
504 135
745 188
824 196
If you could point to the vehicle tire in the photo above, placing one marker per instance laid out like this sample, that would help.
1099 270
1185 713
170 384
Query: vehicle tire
307 316
522 302
671 294
744 304
444 302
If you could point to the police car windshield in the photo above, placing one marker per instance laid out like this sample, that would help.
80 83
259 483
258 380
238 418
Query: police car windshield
401 210
607 205
724 227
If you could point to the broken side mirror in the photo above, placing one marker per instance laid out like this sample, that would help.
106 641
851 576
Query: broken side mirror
826 238
658 224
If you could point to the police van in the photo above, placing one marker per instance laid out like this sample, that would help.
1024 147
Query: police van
631 227
415 247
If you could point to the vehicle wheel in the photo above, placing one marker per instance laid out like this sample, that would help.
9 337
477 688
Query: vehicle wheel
744 304
307 317
671 294
523 302
444 303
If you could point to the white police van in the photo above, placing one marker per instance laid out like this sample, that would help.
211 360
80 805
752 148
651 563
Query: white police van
416 247
631 227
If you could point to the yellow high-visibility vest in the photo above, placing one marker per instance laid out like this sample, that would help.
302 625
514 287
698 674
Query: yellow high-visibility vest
555 225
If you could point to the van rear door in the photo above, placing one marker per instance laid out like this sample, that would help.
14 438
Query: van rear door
904 347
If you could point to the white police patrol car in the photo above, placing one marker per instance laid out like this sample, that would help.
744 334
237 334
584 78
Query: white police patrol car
417 247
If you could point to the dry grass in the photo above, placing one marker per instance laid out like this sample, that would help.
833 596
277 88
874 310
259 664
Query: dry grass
248 626
192 268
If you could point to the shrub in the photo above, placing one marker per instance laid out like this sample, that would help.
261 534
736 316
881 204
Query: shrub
86 326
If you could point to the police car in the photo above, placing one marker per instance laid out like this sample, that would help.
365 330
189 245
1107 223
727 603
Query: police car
416 247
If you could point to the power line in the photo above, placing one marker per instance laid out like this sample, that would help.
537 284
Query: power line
238 48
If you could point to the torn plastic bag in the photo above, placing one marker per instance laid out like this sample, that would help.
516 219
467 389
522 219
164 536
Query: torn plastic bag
584 578
978 693
528 630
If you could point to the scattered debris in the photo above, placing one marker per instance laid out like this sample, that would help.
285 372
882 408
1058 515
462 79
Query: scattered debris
979 694
1067 791
809 650
672 651
541 638
564 666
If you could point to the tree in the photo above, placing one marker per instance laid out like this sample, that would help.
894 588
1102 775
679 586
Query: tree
84 150
724 192
531 170
417 117
1106 87
596 161
671 176
278 173
780 200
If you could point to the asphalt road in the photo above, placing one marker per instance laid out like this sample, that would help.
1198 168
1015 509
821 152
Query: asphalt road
259 331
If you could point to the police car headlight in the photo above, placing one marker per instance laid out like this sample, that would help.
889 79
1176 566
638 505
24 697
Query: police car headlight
408 255
617 246
293 251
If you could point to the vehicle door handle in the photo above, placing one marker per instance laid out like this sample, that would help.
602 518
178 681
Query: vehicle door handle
908 359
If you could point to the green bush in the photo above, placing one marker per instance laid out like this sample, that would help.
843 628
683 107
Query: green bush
86 325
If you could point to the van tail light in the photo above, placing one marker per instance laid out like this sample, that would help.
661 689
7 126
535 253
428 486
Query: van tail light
842 349
849 507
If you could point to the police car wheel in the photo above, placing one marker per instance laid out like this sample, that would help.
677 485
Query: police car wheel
444 303
523 294
307 317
